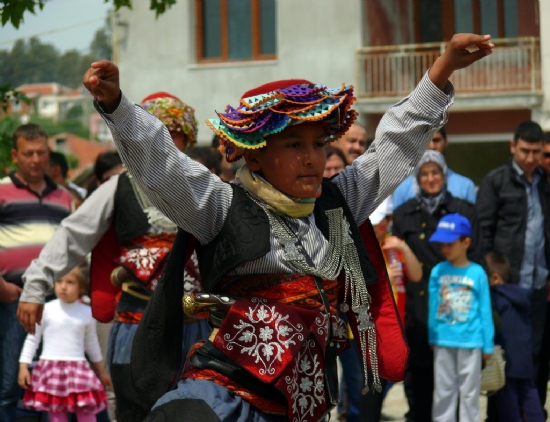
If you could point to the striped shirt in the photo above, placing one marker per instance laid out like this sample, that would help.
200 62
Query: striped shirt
27 221
198 201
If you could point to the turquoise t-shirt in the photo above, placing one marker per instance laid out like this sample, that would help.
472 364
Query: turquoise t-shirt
459 307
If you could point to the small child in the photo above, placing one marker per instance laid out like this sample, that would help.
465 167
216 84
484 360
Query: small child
518 400
401 262
460 323
62 381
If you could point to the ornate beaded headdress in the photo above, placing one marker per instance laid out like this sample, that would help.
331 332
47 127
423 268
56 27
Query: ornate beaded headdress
272 107
175 114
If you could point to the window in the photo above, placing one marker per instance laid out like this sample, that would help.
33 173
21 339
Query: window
438 20
235 30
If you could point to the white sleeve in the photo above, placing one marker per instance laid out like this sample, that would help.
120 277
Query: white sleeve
184 190
76 236
31 343
401 138
91 342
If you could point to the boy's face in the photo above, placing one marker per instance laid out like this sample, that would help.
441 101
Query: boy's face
455 250
293 160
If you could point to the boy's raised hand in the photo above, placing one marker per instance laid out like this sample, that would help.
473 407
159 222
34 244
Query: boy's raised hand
101 79
458 55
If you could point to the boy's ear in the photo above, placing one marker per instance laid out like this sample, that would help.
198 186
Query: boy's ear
494 279
251 156
467 242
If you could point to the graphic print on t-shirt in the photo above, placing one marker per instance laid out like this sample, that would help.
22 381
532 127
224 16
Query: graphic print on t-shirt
455 298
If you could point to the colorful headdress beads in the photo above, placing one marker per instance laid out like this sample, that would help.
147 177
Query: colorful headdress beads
176 115
273 107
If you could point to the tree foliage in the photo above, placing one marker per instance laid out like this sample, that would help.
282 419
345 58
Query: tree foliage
35 62
7 124
13 10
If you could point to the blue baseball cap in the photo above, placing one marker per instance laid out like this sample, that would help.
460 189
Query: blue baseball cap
450 228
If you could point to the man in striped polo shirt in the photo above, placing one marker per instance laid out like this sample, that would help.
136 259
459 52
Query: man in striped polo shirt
31 208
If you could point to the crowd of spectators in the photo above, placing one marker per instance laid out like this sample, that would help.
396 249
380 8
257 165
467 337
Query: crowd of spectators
508 236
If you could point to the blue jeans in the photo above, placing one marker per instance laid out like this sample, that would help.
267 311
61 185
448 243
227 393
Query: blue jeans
12 337
228 406
352 376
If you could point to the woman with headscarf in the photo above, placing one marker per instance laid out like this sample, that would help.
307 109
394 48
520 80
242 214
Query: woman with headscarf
414 222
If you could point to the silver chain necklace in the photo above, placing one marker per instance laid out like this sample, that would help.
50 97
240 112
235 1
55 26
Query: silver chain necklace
342 254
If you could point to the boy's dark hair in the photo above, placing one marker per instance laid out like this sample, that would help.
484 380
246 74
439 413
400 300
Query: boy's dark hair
547 137
499 264
208 157
443 131
58 159
28 131
463 237
528 131
105 162
332 150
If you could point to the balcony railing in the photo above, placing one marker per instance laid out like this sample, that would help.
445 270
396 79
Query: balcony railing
394 71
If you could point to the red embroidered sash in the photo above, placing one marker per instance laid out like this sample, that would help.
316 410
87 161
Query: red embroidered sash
145 256
278 334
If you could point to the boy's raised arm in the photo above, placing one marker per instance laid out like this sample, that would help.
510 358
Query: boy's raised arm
185 191
458 56
102 80
406 129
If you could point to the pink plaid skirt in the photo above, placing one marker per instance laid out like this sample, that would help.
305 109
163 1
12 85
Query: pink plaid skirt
65 386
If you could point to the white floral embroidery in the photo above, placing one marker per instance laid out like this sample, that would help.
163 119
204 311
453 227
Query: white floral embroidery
306 385
191 284
143 258
339 331
265 335
247 336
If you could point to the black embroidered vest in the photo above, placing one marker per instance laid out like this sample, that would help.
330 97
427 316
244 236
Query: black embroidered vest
245 236
156 351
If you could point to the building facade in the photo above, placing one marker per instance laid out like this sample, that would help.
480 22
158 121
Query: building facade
208 52
402 38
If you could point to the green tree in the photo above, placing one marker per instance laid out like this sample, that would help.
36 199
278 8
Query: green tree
75 112
42 60
101 47
8 124
16 65
13 10
67 69
51 127
30 62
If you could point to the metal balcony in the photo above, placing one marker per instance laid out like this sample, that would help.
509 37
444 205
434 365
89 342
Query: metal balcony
509 78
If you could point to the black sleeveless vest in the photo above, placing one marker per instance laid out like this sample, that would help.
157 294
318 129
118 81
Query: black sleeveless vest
245 236
129 219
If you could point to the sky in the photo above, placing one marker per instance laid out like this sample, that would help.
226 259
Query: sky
84 16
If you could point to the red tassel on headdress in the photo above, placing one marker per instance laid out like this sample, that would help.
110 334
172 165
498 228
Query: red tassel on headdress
275 85
160 94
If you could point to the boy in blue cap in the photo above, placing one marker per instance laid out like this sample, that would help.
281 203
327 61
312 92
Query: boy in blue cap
460 323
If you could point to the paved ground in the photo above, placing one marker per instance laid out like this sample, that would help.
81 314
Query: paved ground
396 405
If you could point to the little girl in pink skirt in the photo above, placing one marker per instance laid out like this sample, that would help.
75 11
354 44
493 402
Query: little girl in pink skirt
62 381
